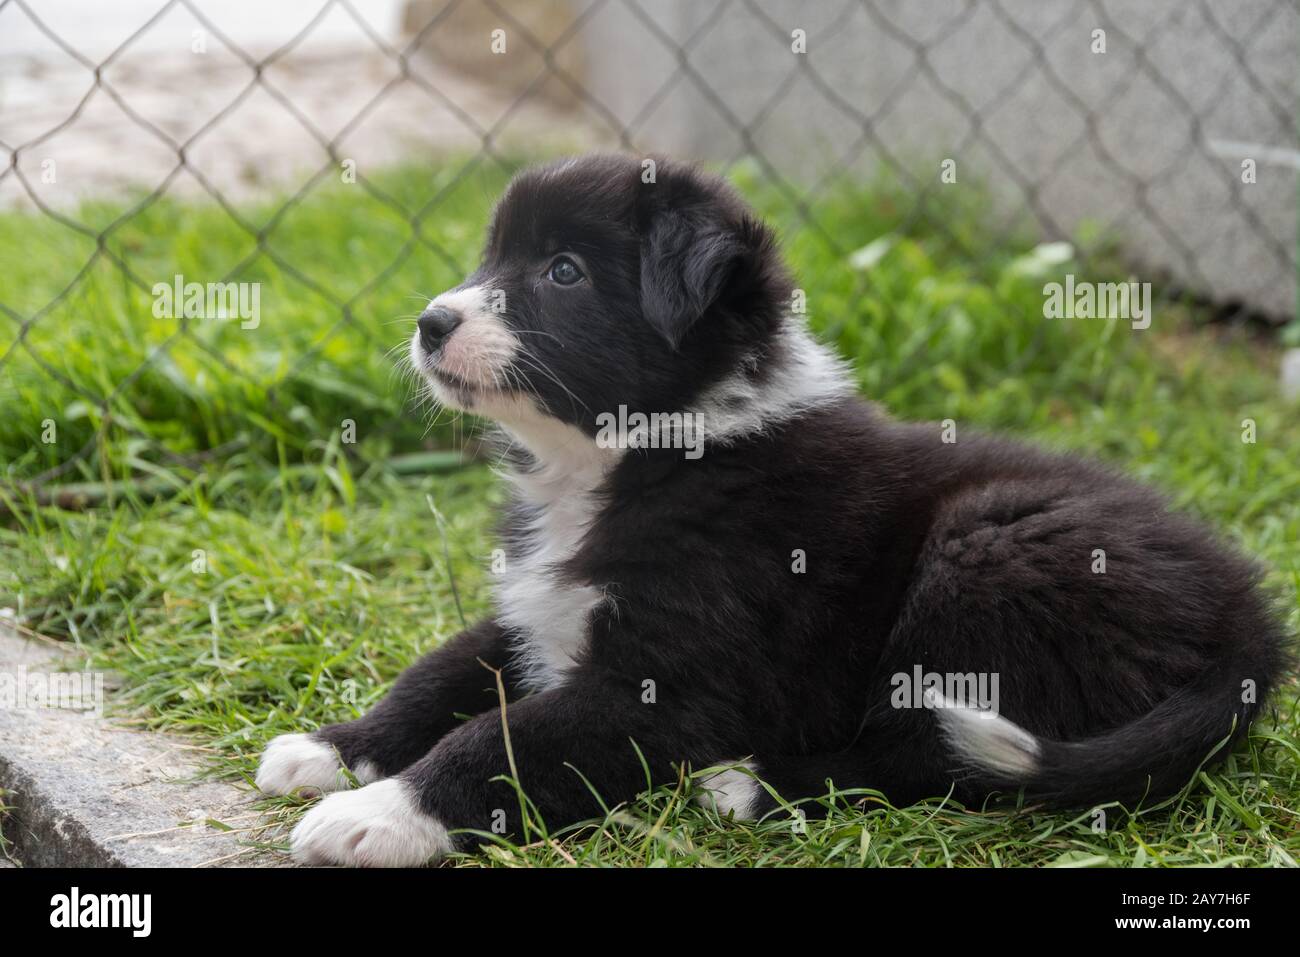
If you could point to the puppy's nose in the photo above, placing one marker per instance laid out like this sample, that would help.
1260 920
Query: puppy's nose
436 324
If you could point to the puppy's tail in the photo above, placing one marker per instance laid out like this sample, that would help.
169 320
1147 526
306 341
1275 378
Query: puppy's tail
1150 757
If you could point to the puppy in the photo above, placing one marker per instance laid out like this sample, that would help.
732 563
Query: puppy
790 598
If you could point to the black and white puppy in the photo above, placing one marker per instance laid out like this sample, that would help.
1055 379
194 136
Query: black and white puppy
808 597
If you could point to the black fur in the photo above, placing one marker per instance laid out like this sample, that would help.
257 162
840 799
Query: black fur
968 557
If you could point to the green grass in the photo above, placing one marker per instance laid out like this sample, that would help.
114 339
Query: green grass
284 581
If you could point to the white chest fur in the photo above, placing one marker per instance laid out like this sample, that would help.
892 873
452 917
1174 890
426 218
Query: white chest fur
549 613
564 492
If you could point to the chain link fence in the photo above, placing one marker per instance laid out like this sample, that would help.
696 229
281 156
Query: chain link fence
1161 136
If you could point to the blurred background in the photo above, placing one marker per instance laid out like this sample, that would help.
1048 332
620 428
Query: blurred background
240 504
343 157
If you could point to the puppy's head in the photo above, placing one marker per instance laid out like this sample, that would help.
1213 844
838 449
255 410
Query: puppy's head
603 286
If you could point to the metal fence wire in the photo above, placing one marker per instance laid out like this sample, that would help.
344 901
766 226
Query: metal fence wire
1178 135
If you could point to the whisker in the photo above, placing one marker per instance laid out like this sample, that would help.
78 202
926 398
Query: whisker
540 366
542 332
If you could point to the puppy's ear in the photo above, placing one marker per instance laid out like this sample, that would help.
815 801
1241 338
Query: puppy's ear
688 258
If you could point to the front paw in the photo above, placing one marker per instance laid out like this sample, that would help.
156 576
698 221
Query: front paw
376 826
299 762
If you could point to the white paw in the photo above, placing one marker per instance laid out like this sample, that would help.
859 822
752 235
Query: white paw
298 762
375 826
732 791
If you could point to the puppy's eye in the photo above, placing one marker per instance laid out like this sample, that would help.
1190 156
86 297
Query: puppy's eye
564 272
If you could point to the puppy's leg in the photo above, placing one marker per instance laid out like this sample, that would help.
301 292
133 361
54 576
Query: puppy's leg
906 761
582 730
421 708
